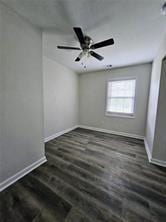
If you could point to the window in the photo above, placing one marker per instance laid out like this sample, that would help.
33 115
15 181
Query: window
121 97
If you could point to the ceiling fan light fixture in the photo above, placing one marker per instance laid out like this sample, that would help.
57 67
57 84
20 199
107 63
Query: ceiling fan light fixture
163 9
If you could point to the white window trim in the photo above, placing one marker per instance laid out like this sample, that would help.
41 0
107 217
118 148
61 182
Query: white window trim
116 114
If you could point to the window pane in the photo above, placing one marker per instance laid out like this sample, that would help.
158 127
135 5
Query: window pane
120 105
125 88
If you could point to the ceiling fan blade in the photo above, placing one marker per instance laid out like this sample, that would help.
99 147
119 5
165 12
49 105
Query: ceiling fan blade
68 47
102 44
97 56
79 34
79 57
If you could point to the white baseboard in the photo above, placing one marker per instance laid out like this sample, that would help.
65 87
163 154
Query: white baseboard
112 132
21 173
59 134
151 159
158 162
148 151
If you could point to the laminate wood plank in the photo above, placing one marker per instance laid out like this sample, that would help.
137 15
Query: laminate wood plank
99 166
89 177
88 205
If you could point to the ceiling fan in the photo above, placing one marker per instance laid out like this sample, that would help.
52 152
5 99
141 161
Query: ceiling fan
87 46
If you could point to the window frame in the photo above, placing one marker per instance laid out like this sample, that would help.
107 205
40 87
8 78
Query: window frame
120 114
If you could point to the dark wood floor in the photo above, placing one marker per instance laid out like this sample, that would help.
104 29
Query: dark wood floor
89 177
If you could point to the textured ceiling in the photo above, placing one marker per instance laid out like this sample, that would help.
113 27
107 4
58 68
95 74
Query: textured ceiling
137 27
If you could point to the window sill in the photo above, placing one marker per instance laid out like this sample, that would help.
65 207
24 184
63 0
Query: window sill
118 115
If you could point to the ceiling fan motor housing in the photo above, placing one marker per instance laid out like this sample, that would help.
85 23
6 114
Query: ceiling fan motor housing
87 44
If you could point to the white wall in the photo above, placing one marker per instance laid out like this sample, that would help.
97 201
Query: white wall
159 149
22 101
93 99
153 96
60 97
1 96
156 121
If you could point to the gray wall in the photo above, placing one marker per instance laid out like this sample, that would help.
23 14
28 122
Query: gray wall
60 97
93 97
22 101
156 121
159 149
154 97
1 94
